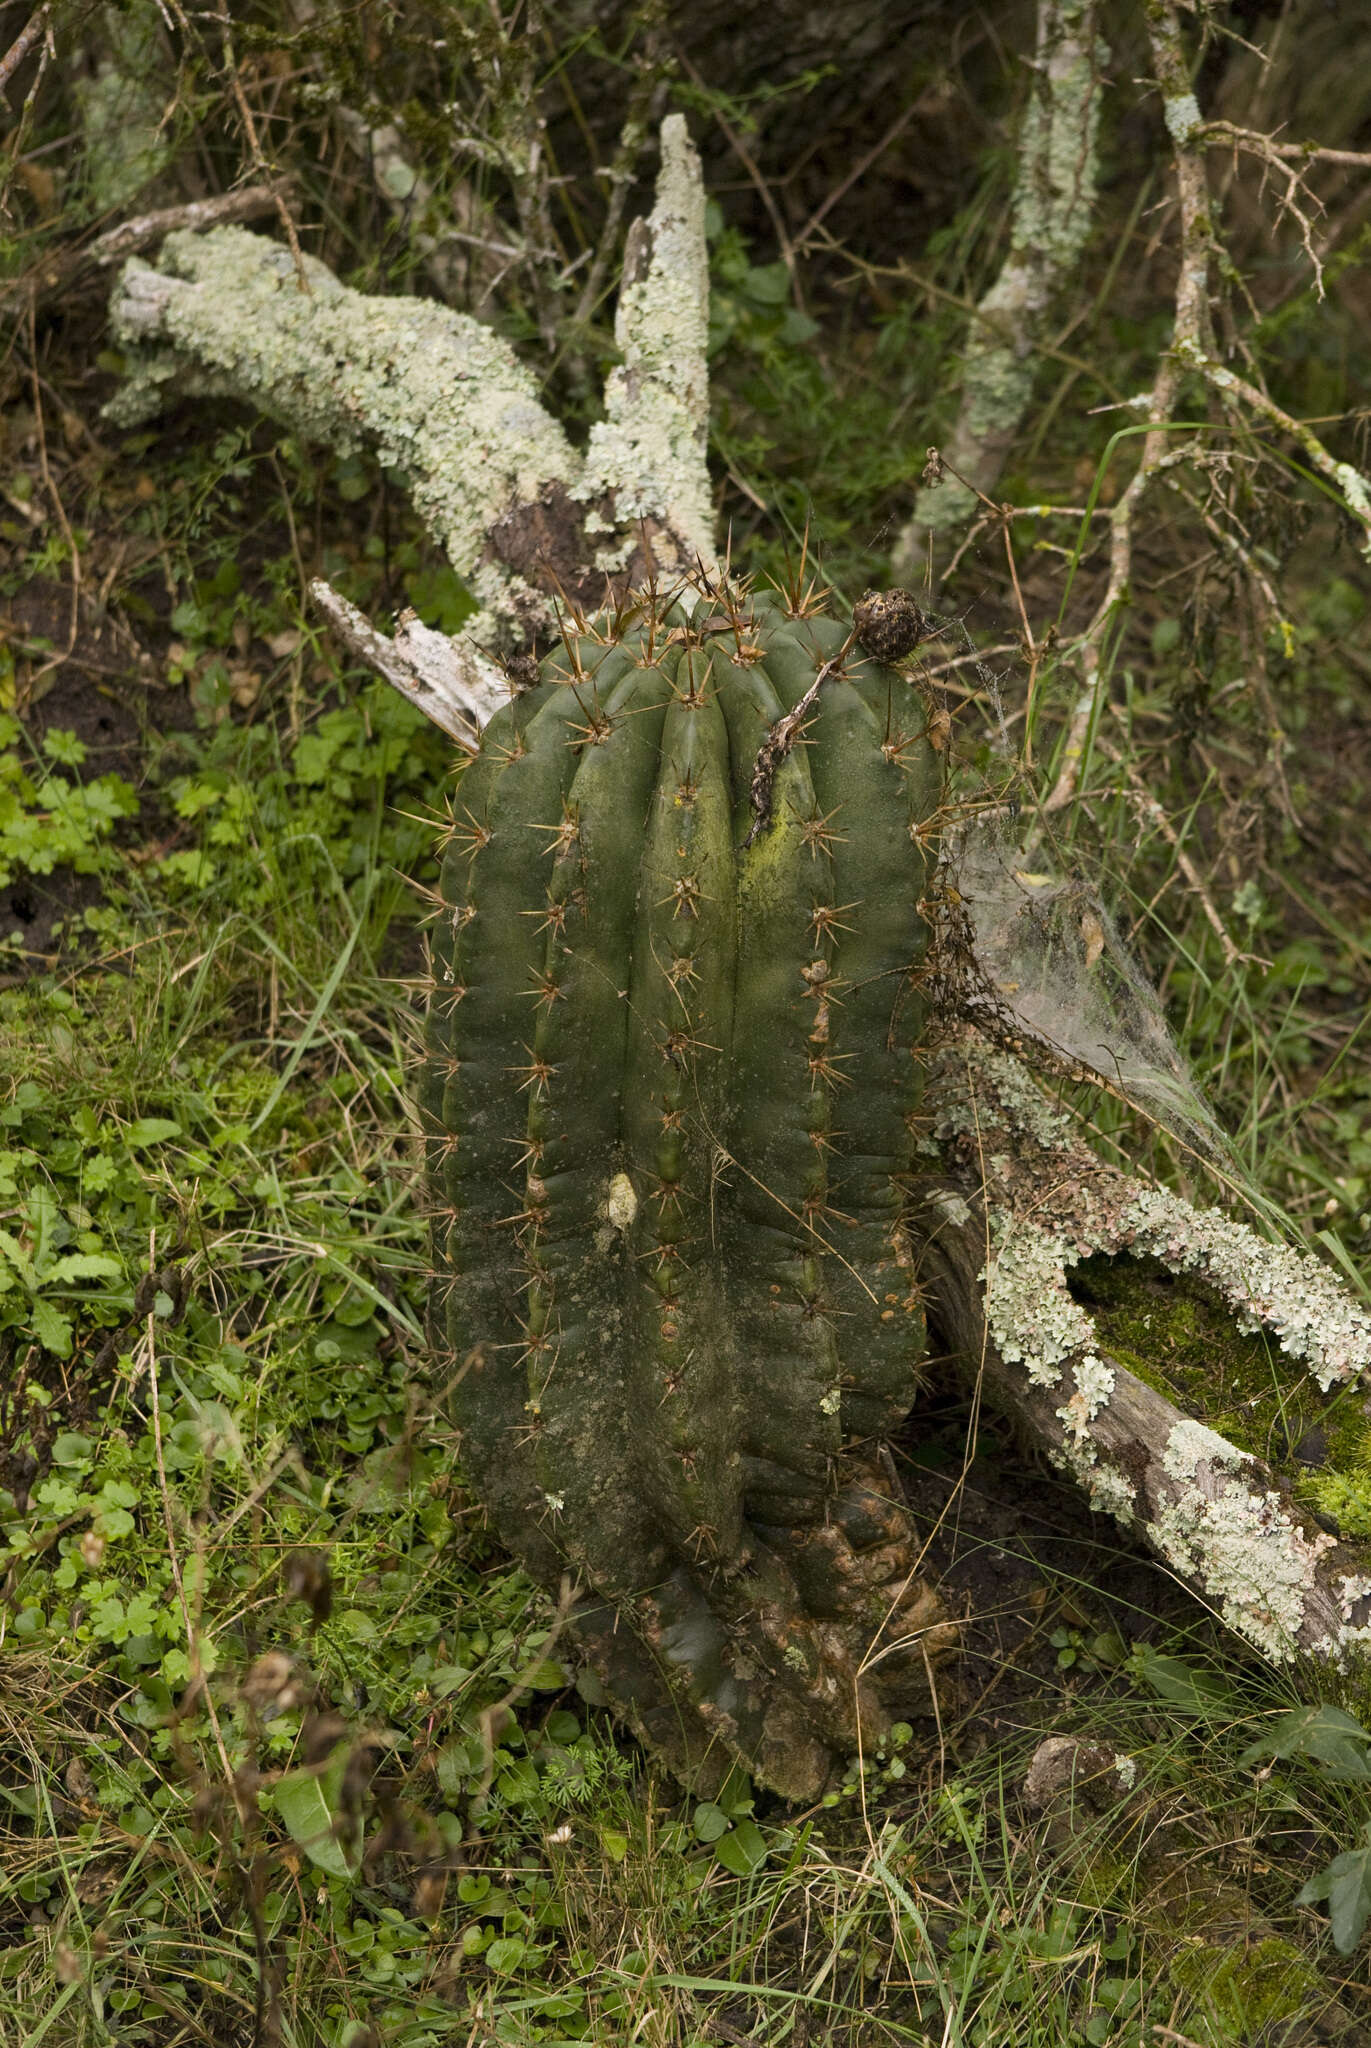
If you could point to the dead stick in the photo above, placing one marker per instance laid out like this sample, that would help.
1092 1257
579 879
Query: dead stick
22 44
779 742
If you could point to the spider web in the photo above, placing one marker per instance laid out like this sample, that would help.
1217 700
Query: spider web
1031 955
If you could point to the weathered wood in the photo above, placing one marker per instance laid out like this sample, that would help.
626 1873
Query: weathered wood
1021 1203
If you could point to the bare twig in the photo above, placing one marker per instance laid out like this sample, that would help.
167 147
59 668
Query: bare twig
1193 328
781 739
260 164
1268 149
22 44
1351 486
64 270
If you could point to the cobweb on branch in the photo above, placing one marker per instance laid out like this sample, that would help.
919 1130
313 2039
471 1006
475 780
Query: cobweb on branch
1031 956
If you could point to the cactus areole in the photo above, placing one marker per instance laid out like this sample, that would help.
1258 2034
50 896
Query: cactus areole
672 1095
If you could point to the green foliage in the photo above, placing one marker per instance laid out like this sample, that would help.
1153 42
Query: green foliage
50 820
1346 1885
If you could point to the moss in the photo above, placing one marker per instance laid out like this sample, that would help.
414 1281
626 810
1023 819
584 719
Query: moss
1179 1337
1343 1495
1240 1992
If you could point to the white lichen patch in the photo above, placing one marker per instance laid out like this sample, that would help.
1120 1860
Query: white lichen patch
1015 1097
1268 1286
950 1206
1355 489
1190 1445
441 398
1183 117
1109 1491
1032 1319
621 1204
1112 1493
649 450
1352 1590
1237 1542
1097 1209
1094 1385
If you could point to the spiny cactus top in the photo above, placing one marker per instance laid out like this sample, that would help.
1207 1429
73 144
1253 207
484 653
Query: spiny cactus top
672 1093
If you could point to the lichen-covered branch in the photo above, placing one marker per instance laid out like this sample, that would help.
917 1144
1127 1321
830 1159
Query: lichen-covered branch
648 454
1053 212
445 401
441 398
1026 1210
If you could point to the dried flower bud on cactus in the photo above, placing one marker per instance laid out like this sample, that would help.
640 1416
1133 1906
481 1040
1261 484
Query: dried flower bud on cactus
889 624
671 1096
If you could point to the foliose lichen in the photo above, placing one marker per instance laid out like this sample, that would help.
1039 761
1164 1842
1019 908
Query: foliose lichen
1240 1543
1094 1384
441 398
1032 1319
1268 1286
649 450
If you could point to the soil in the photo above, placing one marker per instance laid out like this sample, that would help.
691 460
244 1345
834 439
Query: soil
1018 1554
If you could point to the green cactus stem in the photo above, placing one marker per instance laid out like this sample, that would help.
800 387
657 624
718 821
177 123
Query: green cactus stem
672 1095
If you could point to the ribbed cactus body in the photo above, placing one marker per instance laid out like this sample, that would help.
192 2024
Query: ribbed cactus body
672 1092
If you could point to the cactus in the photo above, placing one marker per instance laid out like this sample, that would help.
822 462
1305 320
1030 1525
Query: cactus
672 1103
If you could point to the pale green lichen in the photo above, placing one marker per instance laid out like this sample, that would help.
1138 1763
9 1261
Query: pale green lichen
1183 117
123 113
649 450
1013 1089
1094 1384
1268 1286
1054 199
442 399
1109 1491
1355 489
1238 1543
1031 1317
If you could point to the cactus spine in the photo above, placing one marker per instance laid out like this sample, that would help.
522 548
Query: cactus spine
671 1094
